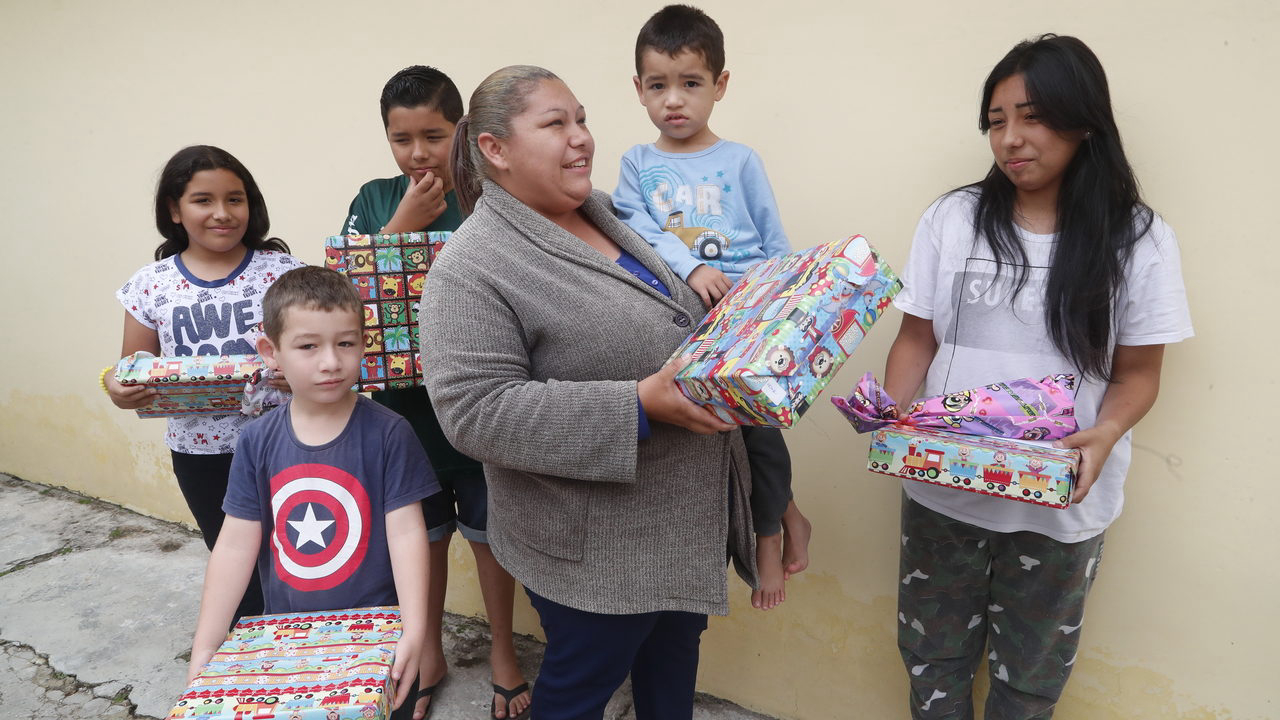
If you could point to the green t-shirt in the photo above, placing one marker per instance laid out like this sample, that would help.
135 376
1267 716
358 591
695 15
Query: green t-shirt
373 208
376 204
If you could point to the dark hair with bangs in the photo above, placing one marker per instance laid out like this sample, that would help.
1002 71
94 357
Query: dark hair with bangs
173 183
310 287
681 27
1101 214
421 85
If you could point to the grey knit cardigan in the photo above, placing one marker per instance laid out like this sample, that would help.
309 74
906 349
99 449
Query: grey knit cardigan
532 344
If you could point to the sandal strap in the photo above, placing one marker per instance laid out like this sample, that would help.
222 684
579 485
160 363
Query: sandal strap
426 691
510 694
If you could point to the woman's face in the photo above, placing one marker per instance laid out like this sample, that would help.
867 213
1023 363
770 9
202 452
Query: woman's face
1031 154
546 160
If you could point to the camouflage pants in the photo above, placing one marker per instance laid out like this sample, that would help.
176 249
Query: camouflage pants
1020 595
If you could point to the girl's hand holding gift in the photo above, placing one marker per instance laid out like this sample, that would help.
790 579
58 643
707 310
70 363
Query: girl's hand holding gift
128 397
1095 446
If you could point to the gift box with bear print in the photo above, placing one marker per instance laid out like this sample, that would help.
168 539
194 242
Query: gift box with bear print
765 352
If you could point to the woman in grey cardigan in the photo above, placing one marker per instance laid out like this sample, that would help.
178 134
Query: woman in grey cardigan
546 324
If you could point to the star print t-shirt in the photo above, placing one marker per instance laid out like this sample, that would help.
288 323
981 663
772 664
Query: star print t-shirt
201 317
712 207
986 333
323 507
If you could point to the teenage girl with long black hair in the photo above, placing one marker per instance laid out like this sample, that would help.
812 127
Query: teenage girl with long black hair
202 296
1051 263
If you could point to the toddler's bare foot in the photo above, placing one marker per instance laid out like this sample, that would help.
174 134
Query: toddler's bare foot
769 566
430 674
795 551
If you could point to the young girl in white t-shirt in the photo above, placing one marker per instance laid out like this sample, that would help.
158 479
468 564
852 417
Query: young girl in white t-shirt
202 296
1050 264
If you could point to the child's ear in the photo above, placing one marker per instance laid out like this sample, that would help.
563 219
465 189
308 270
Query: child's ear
722 83
495 152
173 212
267 351
639 88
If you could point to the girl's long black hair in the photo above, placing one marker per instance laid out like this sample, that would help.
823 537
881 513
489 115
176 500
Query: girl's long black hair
173 182
1100 210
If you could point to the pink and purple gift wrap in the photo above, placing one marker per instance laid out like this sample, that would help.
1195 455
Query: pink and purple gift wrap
993 440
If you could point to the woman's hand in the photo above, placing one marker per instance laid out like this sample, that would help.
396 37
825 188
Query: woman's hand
1095 446
662 401
128 397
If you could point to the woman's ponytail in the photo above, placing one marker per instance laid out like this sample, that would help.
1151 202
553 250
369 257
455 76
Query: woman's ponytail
466 180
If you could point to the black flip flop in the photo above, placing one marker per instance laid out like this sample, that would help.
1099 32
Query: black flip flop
510 695
426 693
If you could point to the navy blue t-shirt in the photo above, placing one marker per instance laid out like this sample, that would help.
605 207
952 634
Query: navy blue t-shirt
323 507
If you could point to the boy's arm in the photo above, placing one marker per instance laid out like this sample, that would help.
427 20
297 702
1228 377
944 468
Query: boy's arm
629 204
407 543
762 207
230 566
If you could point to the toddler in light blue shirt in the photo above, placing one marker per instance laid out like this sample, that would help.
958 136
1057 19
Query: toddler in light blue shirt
706 206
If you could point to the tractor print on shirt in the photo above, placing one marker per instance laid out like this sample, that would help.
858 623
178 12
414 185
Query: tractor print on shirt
709 244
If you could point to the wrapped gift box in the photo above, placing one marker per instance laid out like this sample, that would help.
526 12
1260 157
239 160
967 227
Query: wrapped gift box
388 272
1023 470
765 352
192 385
299 666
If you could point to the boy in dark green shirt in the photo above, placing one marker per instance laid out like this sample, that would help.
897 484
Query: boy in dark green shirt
420 109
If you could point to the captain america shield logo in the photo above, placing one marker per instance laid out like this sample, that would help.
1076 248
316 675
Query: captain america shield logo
321 526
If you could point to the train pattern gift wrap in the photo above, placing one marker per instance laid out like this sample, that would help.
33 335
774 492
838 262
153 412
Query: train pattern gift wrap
191 385
765 352
992 440
303 666
388 272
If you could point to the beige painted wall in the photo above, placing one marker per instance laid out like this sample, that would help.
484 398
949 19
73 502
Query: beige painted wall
863 112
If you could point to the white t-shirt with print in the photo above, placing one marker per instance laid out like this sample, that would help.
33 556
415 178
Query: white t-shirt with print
200 317
985 336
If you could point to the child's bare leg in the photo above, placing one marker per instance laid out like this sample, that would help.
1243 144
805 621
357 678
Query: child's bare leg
498 590
433 667
769 566
795 551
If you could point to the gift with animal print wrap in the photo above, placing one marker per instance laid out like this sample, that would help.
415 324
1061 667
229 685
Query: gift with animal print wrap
765 352
388 271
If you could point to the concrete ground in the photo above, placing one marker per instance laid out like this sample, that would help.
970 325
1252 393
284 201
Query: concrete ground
97 606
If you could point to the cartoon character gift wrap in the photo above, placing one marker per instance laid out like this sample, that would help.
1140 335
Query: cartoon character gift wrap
992 440
765 352
191 385
308 666
388 272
